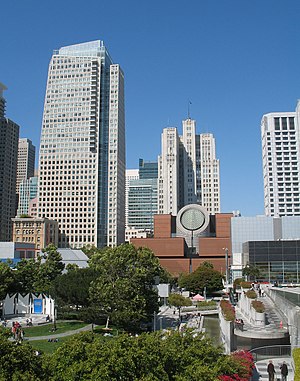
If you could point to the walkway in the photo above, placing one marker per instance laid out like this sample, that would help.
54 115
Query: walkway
261 367
273 328
58 335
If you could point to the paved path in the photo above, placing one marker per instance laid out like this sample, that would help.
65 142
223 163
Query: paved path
58 335
273 326
262 374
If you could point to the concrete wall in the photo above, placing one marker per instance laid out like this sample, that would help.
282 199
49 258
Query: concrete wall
227 334
290 312
255 318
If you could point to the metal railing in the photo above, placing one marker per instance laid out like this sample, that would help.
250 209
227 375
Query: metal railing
271 351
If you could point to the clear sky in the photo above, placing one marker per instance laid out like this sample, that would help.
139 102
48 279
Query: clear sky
234 59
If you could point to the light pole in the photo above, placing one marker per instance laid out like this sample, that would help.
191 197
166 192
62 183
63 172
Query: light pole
226 265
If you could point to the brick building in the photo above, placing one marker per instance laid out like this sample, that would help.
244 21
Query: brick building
173 249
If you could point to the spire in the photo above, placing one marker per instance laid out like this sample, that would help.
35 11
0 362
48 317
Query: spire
189 103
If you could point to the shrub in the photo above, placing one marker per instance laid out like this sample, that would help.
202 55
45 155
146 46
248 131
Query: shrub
296 357
207 303
228 310
245 364
237 282
251 294
245 284
258 306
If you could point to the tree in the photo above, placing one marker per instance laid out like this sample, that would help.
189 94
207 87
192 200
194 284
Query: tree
26 275
124 288
72 288
6 279
148 357
90 250
19 362
49 270
205 276
251 271
179 301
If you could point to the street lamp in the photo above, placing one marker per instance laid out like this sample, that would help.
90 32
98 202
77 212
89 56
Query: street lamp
226 265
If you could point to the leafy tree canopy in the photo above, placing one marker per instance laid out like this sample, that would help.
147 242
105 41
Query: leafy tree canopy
251 271
33 275
204 276
178 301
90 250
19 362
72 288
149 357
124 288
6 279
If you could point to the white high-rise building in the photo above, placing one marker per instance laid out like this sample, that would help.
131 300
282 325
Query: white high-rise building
188 170
168 172
26 159
189 163
82 151
280 156
210 174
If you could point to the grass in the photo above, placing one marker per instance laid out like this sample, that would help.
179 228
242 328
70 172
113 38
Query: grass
46 329
46 347
50 347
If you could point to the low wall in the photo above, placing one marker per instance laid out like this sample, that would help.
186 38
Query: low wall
290 312
255 318
227 334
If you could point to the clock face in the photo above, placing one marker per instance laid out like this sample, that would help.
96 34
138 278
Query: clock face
192 219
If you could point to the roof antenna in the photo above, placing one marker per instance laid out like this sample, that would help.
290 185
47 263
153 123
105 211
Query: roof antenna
189 103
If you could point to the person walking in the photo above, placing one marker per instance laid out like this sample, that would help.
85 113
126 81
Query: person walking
271 371
284 371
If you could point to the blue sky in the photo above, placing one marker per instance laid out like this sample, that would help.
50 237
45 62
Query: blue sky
234 59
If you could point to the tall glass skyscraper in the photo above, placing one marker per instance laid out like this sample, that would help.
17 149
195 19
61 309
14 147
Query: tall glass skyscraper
82 151
27 192
141 199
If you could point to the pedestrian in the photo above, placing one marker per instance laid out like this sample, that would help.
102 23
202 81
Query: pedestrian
284 371
271 371
241 324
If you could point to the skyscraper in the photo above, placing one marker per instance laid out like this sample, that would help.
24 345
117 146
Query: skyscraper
142 197
168 172
26 159
188 170
281 165
130 174
210 174
9 137
27 192
82 152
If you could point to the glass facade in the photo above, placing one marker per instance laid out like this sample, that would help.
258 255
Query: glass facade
148 169
245 229
27 192
142 203
277 260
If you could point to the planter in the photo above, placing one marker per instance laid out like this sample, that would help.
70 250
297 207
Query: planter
260 319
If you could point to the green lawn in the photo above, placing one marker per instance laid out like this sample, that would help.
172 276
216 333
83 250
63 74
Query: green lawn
50 347
46 347
46 329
